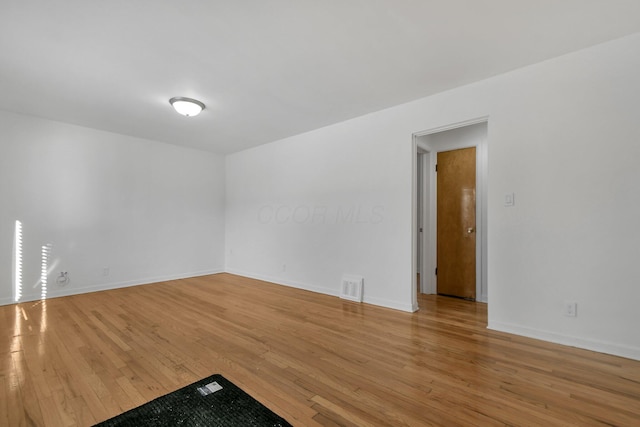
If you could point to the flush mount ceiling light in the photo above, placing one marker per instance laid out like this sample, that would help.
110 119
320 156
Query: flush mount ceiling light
186 106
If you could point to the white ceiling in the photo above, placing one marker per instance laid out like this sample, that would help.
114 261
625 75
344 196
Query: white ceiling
268 69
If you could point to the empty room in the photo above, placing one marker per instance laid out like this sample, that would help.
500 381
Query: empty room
357 213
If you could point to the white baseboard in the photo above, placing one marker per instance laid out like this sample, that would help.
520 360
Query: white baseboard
396 305
587 344
289 283
6 301
322 290
55 293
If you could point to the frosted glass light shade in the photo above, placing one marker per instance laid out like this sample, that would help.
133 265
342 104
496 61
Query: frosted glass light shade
187 106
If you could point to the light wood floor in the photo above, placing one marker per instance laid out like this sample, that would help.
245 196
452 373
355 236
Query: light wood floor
313 359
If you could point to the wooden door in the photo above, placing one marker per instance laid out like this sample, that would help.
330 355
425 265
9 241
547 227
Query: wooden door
456 218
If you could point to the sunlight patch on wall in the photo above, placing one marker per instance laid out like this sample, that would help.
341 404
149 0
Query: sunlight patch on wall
44 270
17 262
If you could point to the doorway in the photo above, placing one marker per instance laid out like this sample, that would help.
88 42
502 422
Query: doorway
427 147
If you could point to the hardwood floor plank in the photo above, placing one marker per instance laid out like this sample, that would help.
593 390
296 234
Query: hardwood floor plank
31 411
80 379
344 411
6 399
317 360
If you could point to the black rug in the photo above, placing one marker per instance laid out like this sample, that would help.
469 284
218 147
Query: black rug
213 401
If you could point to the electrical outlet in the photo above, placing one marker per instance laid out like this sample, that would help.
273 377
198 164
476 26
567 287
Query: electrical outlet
509 200
63 279
570 309
105 271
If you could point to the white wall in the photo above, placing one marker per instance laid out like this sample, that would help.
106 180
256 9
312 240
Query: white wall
563 135
148 211
324 204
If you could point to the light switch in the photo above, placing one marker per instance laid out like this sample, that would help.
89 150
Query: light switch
509 199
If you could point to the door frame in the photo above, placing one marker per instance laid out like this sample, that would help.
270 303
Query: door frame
428 188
